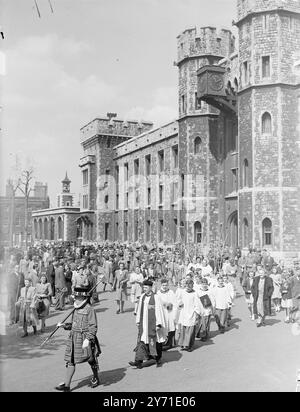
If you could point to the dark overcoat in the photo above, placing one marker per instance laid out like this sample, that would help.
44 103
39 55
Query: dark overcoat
268 291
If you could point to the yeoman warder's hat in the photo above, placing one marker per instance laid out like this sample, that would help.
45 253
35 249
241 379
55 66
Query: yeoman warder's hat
147 282
84 292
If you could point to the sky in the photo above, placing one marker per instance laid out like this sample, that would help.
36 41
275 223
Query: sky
87 58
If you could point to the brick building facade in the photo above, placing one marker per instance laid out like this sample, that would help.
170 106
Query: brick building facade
12 214
228 168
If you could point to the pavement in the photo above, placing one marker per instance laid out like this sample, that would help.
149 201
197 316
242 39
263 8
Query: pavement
244 359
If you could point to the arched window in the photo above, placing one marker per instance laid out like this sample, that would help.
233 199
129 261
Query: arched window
35 229
40 229
267 231
60 228
46 229
266 123
106 201
52 228
79 228
197 232
197 145
245 173
245 233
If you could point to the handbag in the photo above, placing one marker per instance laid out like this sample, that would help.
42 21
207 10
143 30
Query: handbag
40 306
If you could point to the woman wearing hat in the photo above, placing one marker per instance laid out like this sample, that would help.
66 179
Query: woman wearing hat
82 344
120 285
136 281
43 300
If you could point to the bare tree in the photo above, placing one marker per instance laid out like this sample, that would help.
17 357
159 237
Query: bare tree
25 188
13 185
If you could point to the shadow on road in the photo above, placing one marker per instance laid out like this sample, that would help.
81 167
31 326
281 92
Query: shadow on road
107 378
233 323
15 347
171 356
129 310
99 310
271 322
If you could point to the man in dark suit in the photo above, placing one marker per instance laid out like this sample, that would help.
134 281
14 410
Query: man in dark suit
60 287
50 273
262 290
267 262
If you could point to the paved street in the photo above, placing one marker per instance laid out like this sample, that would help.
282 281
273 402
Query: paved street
245 358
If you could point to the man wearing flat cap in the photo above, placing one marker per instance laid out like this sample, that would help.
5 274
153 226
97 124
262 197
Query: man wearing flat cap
151 328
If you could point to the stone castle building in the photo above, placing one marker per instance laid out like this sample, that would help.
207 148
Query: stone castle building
228 168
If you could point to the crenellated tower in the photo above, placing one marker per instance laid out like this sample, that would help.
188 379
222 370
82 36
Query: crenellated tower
269 142
198 164
98 139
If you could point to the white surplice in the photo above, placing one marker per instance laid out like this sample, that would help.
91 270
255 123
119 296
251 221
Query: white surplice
168 298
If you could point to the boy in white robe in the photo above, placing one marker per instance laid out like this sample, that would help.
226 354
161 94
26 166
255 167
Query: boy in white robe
189 314
169 304
231 291
207 308
222 299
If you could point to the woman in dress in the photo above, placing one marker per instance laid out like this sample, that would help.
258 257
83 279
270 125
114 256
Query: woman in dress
136 280
276 297
43 300
286 292
120 285
247 284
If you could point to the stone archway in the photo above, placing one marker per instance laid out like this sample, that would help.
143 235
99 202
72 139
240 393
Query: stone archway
60 227
35 229
232 229
79 225
40 229
52 228
46 229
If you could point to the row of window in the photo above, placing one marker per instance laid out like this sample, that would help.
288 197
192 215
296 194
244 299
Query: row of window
136 230
174 196
198 104
264 21
267 236
267 232
148 159
265 70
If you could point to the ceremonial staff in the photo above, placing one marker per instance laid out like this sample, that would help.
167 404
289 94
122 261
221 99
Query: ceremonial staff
57 327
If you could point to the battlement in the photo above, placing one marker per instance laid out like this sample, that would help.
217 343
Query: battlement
113 127
40 190
204 41
245 7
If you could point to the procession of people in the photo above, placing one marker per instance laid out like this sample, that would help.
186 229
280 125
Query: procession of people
176 294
